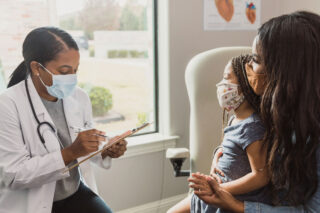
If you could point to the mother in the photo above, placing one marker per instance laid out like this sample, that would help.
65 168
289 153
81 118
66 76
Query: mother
287 49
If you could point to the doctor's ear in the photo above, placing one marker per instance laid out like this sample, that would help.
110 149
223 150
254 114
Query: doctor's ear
35 68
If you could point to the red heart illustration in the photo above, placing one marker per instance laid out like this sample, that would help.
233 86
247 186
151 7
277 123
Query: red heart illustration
251 12
225 9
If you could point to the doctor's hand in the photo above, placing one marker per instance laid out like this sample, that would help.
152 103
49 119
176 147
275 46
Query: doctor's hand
116 150
86 142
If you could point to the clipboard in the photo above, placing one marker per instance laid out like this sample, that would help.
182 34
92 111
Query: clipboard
116 140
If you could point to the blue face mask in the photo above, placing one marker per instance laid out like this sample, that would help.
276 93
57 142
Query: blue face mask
62 85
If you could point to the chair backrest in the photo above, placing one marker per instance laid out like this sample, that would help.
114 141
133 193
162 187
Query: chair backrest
203 72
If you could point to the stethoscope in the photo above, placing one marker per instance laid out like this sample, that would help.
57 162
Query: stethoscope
35 116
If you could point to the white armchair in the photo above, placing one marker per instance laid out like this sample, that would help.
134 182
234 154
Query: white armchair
203 72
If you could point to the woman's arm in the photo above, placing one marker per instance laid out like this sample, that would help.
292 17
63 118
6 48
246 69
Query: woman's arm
313 205
250 207
223 199
18 169
215 195
257 178
250 182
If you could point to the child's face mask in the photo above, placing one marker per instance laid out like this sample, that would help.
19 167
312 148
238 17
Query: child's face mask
228 95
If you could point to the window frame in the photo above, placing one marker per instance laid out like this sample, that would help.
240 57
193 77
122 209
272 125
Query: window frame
155 70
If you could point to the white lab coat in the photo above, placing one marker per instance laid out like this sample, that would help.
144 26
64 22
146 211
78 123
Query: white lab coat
28 173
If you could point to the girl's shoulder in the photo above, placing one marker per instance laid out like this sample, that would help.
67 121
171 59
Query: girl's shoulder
246 131
252 120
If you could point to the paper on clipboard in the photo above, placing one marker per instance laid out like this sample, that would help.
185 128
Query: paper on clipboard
112 141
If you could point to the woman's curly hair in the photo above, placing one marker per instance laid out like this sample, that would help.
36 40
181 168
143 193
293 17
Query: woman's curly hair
289 46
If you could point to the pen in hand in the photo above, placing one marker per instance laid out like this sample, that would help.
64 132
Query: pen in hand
111 142
81 129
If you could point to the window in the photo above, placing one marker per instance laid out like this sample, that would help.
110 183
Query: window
118 52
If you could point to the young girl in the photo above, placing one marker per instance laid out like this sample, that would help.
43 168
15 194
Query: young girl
243 162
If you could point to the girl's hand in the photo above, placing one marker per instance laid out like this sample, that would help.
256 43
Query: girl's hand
214 166
200 184
220 197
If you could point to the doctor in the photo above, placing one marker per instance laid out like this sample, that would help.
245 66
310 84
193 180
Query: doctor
38 114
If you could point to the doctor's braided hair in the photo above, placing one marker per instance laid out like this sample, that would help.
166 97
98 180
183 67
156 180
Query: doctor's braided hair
238 65
42 45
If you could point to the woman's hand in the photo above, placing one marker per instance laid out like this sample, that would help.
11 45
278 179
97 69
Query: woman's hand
220 197
86 142
116 150
200 184
214 166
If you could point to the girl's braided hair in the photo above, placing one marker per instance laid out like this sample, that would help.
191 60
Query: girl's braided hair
238 65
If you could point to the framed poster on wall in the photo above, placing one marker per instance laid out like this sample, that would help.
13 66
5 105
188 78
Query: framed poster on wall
232 14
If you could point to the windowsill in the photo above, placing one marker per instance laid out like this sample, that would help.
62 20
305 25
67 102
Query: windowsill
144 144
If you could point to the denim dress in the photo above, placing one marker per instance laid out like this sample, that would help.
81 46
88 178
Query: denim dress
235 163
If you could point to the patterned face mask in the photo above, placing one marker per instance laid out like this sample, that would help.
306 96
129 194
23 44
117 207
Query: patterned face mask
228 96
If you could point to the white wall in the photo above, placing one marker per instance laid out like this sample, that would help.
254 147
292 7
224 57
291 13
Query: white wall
187 39
288 6
138 180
